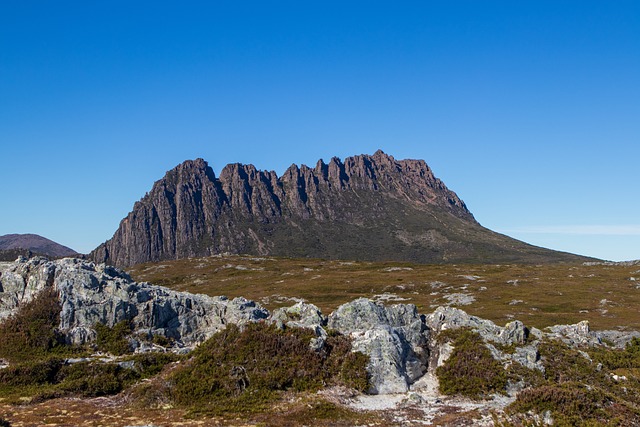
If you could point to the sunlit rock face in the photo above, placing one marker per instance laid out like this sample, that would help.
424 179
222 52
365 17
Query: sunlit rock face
96 293
395 338
367 207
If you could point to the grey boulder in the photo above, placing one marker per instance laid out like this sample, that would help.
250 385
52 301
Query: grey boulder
395 338
90 294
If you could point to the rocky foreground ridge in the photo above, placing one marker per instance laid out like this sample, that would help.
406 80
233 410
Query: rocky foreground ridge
397 338
367 207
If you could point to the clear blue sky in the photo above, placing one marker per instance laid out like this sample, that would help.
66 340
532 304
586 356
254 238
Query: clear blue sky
529 110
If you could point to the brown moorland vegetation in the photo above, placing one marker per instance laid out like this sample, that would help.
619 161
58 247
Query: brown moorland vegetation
539 295
575 390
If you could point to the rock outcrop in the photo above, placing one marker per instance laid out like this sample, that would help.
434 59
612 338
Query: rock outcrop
369 207
514 333
303 315
453 318
395 338
401 343
581 334
91 294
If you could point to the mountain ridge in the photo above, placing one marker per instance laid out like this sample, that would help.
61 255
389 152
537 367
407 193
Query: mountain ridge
13 244
367 207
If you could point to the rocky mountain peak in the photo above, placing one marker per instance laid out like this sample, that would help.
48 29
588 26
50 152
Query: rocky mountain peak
187 171
370 207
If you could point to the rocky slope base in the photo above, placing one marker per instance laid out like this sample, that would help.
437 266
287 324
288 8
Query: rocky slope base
369 207
419 365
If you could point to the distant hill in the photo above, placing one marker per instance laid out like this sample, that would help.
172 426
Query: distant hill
369 207
14 245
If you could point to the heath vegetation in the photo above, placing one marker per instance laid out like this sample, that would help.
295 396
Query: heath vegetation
539 295
270 376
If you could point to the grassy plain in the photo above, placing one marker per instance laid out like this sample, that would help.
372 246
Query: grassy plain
608 296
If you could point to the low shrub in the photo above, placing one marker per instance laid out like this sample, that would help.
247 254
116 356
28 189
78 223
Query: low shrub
152 394
568 399
161 340
148 365
88 379
113 339
471 370
341 366
51 378
30 333
565 364
570 404
577 391
327 413
243 370
31 373
612 359
353 371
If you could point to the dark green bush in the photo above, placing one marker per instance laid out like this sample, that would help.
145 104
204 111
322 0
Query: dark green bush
161 340
353 372
113 339
612 359
53 378
31 373
571 404
327 413
92 379
569 399
564 364
344 366
241 371
471 370
31 332
88 379
150 364
578 392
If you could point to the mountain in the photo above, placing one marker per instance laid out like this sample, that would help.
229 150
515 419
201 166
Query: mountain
369 207
13 245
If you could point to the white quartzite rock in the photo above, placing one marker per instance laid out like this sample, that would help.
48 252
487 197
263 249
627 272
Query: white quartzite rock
452 318
512 333
302 315
91 294
395 338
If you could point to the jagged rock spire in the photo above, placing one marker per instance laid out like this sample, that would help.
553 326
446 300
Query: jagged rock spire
368 207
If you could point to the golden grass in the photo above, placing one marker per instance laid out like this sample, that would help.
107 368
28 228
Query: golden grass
539 295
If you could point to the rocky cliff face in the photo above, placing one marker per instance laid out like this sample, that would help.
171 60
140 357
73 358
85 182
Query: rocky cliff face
369 207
